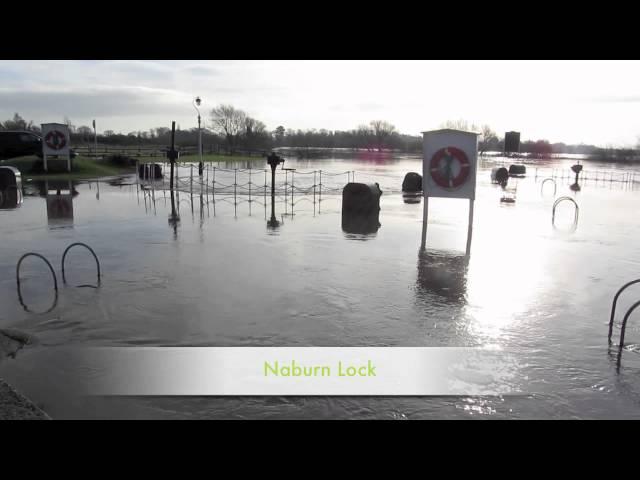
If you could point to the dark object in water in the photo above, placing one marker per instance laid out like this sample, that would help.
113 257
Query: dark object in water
150 170
10 187
517 170
361 208
412 198
361 198
412 182
500 175
577 168
512 142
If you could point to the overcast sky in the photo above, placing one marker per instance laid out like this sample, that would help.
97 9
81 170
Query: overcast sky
593 102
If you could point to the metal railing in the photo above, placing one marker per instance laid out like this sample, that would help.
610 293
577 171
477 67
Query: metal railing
613 311
558 201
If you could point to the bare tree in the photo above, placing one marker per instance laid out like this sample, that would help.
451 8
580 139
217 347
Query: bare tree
381 131
488 140
364 137
17 123
70 126
254 127
460 124
230 122
279 134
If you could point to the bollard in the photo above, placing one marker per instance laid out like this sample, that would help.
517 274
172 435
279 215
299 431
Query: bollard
361 208
412 182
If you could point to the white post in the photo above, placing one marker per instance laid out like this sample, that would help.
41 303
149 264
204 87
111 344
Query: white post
470 226
425 215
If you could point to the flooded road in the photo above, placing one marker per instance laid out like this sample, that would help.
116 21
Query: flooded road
214 271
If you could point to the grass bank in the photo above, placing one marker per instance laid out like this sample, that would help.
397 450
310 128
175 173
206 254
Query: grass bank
83 167
87 167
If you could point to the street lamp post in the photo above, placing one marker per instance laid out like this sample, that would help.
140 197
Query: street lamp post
196 103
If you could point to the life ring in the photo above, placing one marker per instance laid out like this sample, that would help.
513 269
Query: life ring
55 140
444 177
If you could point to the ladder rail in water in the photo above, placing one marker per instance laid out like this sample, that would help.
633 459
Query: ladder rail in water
558 201
624 323
613 307
53 274
555 186
64 255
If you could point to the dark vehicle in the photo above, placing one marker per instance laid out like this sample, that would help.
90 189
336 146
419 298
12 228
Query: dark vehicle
18 143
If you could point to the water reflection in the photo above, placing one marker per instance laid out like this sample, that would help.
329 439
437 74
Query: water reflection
443 273
174 217
59 197
360 227
412 198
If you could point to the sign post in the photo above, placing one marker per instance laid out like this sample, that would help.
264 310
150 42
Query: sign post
95 140
55 142
449 167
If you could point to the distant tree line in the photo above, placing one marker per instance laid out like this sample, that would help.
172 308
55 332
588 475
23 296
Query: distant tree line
233 129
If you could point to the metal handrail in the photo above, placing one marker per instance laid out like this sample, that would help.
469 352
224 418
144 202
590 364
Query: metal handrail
555 186
613 306
53 274
624 323
64 280
555 204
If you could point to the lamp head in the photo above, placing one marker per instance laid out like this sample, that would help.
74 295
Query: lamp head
198 101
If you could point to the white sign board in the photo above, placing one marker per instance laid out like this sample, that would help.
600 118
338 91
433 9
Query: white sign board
55 139
449 164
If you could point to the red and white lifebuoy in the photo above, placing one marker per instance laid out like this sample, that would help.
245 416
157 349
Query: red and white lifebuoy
442 168
55 140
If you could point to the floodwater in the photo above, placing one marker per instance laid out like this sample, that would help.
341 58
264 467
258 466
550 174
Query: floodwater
218 271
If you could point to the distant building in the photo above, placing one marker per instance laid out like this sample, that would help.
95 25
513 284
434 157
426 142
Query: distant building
512 142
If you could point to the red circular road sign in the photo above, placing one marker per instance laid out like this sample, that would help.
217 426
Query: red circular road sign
449 167
55 140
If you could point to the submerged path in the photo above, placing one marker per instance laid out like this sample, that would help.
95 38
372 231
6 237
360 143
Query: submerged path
13 405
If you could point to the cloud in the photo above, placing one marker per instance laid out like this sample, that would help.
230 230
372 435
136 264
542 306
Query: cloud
201 70
617 98
101 101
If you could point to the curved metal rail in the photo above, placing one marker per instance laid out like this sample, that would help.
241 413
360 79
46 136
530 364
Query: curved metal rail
613 306
53 274
64 280
555 186
555 204
624 323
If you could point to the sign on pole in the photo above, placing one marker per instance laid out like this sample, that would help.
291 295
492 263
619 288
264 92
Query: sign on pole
95 139
449 167
56 141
